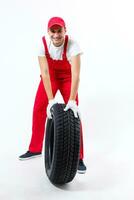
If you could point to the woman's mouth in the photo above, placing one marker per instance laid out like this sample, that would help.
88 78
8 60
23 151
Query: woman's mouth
56 39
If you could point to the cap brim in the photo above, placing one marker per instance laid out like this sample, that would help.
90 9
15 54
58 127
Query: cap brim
55 25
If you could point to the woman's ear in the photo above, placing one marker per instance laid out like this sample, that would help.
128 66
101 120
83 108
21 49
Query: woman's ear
65 29
48 31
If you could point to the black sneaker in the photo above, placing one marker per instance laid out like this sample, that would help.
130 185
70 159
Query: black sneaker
81 167
29 155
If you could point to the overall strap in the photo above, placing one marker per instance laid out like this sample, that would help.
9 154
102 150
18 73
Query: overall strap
65 48
45 45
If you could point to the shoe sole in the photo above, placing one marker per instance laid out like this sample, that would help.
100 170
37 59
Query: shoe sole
30 157
81 172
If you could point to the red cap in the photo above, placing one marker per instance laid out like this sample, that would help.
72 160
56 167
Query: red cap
56 21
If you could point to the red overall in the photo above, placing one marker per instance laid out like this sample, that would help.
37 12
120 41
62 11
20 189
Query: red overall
60 76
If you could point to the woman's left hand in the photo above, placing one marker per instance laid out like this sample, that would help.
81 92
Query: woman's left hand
73 106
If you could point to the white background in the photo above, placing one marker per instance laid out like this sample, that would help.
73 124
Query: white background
105 31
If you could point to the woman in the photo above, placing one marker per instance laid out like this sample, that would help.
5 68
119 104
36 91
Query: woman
59 62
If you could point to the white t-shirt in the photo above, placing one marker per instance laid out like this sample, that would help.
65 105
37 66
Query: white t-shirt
73 49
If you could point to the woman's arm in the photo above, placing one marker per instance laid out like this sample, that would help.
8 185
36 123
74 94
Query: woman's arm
75 69
45 76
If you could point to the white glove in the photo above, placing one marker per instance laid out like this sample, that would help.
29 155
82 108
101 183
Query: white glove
73 106
50 104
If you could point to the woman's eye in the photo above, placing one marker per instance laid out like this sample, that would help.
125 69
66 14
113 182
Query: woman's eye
58 31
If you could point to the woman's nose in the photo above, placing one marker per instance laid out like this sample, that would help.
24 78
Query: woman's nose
56 34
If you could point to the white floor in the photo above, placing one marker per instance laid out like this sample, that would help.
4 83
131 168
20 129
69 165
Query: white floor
108 136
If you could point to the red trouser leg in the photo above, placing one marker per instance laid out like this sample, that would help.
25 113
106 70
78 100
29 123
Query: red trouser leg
39 117
64 87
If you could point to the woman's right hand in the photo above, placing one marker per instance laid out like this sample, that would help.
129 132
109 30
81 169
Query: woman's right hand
50 104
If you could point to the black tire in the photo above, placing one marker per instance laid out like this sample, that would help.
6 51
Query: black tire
62 145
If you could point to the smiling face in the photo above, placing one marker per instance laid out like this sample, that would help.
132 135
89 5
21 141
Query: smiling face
57 34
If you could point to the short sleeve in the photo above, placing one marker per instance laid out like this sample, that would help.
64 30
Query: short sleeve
41 49
74 48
